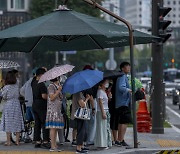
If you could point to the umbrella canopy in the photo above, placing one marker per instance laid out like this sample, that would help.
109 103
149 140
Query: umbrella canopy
8 64
68 30
112 74
82 80
56 72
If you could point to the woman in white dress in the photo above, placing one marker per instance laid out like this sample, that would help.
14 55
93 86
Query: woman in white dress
103 132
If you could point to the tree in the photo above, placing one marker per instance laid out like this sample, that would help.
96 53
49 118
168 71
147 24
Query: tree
42 7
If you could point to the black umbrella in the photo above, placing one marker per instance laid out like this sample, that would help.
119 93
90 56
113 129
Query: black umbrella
111 74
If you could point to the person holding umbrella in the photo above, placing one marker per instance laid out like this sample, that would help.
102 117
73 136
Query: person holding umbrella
75 84
54 117
80 101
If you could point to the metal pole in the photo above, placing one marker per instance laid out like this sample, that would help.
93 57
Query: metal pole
111 50
64 57
55 5
91 2
157 75
57 57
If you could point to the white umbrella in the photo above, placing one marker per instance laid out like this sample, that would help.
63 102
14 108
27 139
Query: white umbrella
8 64
56 72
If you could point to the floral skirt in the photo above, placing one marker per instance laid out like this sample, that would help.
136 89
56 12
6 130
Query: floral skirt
54 120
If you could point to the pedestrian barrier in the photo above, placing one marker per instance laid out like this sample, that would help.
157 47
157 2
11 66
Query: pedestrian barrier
143 117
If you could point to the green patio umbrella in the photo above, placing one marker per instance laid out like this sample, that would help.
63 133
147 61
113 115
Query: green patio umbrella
68 30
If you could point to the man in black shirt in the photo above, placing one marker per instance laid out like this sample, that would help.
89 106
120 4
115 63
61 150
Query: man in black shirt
39 107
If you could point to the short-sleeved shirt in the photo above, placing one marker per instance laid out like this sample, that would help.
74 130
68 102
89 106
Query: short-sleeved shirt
102 95
38 89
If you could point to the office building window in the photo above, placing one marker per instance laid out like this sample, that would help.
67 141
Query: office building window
168 2
174 2
17 5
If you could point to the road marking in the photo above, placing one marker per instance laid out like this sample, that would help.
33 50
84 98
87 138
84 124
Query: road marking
177 114
174 112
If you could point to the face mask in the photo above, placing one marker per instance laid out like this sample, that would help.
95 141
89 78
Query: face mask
106 85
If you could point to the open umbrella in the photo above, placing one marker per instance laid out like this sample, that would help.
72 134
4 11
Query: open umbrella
112 74
56 72
82 80
8 64
68 30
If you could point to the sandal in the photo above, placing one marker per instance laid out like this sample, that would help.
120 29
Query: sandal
17 143
7 144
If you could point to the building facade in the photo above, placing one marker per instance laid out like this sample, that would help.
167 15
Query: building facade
13 12
139 12
116 6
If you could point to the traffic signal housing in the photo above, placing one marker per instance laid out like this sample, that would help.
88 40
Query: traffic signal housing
163 32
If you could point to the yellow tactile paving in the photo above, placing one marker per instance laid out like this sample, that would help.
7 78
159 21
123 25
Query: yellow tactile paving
168 143
35 152
169 152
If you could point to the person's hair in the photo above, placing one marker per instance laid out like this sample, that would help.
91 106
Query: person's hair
10 78
15 71
123 64
40 71
54 80
101 82
87 67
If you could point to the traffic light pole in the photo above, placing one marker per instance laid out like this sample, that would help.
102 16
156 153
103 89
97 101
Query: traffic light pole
157 75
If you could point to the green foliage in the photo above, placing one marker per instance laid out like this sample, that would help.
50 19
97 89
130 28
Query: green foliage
83 58
42 7
142 57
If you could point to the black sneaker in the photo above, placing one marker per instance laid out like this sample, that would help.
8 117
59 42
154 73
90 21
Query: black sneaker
82 151
123 143
85 149
37 145
45 146
67 140
117 143
74 143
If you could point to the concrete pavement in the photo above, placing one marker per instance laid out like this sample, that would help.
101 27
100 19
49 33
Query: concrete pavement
149 143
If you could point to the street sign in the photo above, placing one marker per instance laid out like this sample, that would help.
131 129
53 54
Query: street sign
111 66
68 52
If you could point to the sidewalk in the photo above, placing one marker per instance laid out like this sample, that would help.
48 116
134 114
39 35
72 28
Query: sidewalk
149 143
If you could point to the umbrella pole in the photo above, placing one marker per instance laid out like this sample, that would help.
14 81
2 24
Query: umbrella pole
96 5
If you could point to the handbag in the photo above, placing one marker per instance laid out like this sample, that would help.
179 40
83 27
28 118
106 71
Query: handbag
82 113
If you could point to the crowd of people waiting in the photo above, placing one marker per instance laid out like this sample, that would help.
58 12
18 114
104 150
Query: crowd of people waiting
109 103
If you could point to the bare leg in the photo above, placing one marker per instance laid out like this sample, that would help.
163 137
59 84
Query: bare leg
52 136
78 147
17 138
115 134
55 138
121 131
74 134
8 135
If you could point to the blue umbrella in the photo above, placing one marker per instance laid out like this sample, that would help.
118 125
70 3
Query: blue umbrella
82 80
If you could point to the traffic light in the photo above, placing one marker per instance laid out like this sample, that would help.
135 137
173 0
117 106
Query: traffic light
163 32
172 60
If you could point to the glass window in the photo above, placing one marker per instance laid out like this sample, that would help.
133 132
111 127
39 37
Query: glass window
168 2
3 4
17 4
